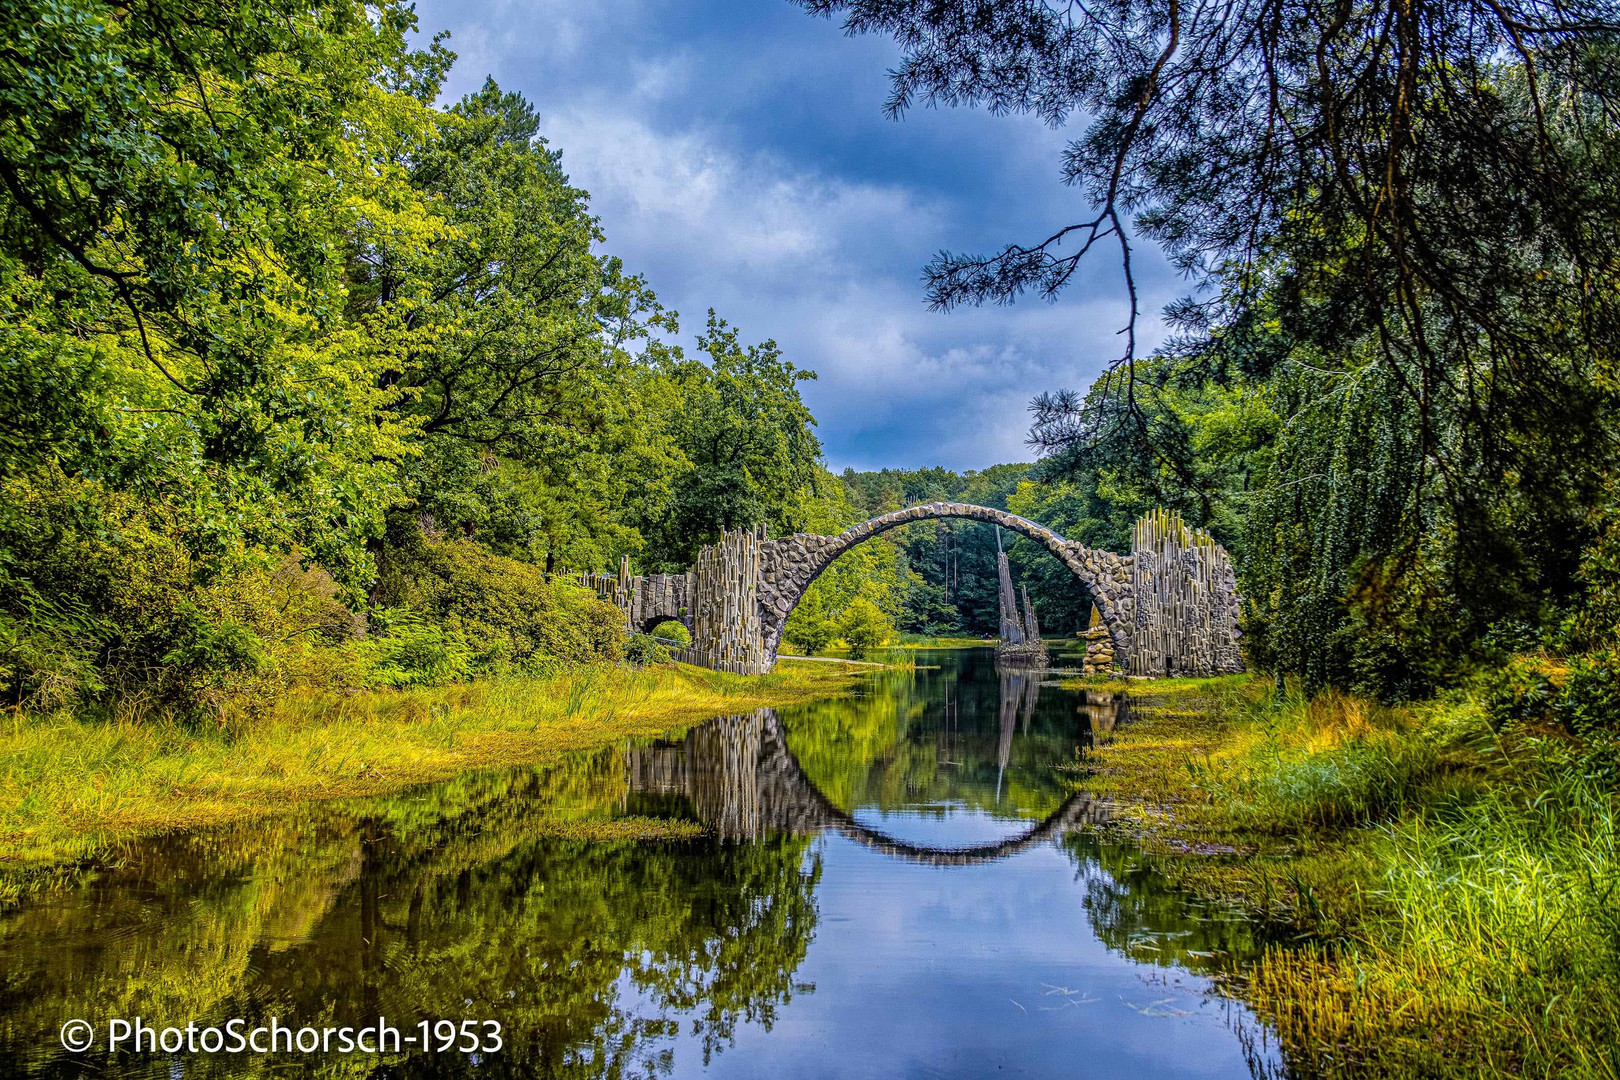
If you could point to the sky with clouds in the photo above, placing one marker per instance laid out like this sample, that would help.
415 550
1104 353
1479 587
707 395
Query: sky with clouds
737 154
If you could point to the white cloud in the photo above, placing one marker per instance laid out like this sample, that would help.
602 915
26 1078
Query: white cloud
687 198
828 267
713 179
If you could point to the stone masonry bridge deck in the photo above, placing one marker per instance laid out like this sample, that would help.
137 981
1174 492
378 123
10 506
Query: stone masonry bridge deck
1171 606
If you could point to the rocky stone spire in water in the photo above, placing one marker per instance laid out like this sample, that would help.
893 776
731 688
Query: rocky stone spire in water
1012 628
1099 647
1032 629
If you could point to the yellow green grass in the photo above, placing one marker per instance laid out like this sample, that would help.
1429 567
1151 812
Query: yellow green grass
1451 889
71 787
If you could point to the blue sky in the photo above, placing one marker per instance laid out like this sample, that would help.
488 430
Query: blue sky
737 154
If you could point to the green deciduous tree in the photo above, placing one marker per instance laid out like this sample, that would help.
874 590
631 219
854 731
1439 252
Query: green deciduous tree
513 365
747 436
863 626
179 183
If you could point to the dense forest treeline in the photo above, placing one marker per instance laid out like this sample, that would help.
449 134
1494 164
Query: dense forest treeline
306 377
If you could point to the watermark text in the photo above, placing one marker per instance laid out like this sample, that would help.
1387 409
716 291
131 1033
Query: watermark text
136 1036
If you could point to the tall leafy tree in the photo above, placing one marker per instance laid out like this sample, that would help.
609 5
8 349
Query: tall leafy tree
530 412
747 436
513 321
179 182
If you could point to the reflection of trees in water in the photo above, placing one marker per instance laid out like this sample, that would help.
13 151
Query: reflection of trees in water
596 952
930 740
1136 910
444 902
441 903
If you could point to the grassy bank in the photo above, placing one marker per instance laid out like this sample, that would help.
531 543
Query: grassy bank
1454 887
923 642
72 788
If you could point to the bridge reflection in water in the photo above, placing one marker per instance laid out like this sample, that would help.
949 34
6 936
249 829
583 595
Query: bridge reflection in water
740 778
756 950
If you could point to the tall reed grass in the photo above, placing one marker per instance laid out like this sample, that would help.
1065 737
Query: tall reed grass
1331 762
1489 940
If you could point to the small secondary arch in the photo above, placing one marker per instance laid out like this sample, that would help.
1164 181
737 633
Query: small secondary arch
652 622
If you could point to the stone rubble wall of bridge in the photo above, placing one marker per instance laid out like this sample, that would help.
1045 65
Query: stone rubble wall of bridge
1170 607
645 599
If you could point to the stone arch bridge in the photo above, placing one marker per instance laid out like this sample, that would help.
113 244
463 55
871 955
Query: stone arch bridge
1171 606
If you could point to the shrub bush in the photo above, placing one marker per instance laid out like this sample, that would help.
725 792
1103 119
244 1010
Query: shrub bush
112 600
809 628
863 626
641 649
673 631
1524 690
103 598
506 609
1590 700
107 598
412 652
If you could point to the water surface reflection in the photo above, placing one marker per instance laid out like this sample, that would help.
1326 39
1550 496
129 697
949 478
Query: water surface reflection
897 884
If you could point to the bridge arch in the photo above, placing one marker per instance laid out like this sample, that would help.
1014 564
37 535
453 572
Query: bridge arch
744 781
1071 813
651 622
790 564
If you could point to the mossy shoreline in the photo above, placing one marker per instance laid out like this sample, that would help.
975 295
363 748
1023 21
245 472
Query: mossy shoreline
1442 887
74 790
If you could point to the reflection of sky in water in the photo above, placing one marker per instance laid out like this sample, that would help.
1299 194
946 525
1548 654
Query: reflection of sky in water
975 971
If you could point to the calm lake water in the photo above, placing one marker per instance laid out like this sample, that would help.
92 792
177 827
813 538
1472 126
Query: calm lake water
898 885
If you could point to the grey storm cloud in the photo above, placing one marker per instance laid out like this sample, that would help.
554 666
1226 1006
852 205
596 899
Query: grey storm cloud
737 156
